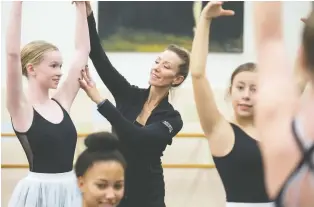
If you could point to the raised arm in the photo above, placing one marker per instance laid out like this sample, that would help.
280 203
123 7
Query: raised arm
119 87
19 108
277 95
215 127
68 91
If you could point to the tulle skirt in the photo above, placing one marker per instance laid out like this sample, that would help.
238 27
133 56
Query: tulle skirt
46 190
231 204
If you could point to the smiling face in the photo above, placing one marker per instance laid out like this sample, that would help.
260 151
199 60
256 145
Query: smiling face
103 184
42 62
165 69
48 72
170 67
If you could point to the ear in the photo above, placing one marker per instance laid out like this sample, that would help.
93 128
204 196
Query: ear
228 93
300 64
178 80
80 183
30 69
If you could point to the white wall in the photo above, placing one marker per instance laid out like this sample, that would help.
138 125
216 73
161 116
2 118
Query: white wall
48 21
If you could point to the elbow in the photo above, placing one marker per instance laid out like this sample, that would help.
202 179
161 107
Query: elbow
88 48
197 75
197 72
84 51
13 55
82 54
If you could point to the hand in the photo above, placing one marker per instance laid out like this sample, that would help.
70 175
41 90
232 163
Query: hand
214 9
89 86
77 2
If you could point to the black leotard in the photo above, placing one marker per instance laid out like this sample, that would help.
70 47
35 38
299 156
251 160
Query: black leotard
242 171
49 147
305 165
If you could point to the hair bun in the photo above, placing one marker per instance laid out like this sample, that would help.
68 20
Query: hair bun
101 141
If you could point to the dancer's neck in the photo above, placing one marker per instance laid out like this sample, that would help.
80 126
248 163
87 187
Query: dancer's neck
37 94
156 94
245 122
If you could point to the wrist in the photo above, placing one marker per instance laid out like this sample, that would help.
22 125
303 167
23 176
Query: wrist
206 17
98 100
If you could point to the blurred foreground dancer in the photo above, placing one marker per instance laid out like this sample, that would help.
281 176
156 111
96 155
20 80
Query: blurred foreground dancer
100 171
42 124
143 119
284 122
234 145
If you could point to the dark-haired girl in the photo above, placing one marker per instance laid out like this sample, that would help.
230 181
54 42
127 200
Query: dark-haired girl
234 145
100 171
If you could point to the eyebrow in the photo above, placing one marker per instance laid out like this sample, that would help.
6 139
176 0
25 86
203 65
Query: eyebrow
159 58
104 180
60 63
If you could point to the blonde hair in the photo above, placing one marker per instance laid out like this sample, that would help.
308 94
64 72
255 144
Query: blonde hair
33 53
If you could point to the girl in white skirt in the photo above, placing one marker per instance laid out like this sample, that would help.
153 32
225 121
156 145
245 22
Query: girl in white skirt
42 124
284 121
100 171
233 144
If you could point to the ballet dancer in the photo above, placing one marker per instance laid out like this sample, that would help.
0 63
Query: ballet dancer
143 119
234 145
42 124
284 122
100 171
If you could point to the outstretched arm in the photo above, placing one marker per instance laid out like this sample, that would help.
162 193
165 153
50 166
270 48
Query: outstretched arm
68 91
17 104
215 127
277 95
119 87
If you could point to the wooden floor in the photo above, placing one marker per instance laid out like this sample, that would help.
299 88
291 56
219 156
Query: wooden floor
193 187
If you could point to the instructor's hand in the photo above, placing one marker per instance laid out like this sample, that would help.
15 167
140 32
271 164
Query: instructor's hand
89 86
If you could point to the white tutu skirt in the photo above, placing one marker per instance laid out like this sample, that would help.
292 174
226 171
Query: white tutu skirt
231 204
46 190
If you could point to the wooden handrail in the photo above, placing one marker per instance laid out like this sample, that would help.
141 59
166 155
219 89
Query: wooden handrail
171 166
83 135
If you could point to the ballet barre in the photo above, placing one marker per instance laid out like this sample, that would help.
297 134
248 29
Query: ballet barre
83 135
171 166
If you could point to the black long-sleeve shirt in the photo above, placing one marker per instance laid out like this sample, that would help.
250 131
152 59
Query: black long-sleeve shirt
142 146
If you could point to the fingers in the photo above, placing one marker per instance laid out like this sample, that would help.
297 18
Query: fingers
87 72
84 75
227 13
303 19
83 83
216 2
87 3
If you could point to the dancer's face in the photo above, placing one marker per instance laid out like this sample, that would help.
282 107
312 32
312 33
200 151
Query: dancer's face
103 184
48 71
243 92
164 72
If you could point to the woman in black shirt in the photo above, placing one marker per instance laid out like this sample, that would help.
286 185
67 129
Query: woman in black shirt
143 119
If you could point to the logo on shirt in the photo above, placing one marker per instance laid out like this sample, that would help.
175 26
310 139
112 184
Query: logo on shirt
168 125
